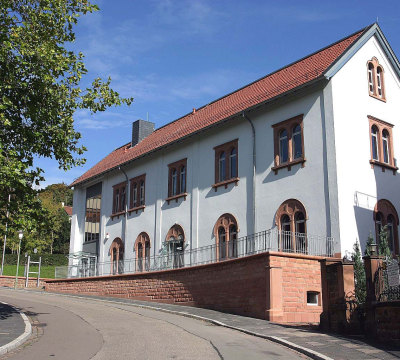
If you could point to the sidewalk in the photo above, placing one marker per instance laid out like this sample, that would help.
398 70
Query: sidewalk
313 343
15 328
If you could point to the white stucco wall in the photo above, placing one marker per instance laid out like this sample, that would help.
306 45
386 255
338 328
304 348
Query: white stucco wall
351 105
203 206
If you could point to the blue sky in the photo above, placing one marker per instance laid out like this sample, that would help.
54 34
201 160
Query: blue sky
172 56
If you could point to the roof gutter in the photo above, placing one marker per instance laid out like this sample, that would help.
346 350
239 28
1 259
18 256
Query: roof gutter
291 91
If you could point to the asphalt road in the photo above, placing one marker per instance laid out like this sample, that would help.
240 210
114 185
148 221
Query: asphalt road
72 328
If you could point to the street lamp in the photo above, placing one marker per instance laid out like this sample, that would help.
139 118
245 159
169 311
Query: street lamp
20 235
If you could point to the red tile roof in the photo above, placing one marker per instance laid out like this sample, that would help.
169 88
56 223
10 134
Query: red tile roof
68 210
277 83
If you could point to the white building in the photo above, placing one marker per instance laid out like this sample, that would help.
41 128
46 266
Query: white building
304 159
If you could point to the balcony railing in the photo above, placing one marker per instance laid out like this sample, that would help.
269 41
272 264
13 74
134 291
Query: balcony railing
268 240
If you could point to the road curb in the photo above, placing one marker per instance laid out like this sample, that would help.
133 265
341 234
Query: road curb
20 339
303 350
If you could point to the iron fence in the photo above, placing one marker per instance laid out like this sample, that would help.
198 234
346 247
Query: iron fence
268 240
384 291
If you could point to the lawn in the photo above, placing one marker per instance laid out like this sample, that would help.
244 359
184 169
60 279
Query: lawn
45 271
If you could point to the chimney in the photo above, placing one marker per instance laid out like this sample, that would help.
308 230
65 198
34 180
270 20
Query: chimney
140 130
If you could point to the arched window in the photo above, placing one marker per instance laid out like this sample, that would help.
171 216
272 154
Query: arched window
283 146
142 247
226 164
371 78
221 166
183 179
374 142
291 221
175 241
296 142
376 84
232 163
385 146
379 82
117 256
174 182
382 144
225 231
386 217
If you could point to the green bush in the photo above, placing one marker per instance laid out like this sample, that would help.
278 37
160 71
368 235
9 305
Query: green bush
47 259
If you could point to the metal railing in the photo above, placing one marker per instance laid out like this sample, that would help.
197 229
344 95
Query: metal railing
267 240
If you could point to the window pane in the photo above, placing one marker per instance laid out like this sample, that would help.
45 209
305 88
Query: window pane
135 191
283 147
142 192
232 163
374 139
174 182
222 243
296 143
183 179
385 143
221 166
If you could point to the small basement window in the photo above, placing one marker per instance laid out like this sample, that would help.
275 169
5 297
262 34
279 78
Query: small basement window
312 297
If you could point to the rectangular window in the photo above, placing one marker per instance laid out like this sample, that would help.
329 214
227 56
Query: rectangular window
226 163
119 198
92 214
137 192
288 143
177 173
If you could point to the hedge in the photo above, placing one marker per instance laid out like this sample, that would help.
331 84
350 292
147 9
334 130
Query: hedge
47 259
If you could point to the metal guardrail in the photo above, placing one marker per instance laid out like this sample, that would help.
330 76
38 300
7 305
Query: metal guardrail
267 240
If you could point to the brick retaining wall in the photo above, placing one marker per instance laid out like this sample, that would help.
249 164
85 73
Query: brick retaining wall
9 281
245 286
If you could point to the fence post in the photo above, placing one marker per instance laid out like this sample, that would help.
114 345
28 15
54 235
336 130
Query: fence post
38 275
27 272
371 264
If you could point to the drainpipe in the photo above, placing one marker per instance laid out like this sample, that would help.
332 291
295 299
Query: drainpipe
126 204
254 169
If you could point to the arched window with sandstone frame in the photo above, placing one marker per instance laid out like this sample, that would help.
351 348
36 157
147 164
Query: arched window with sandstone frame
225 232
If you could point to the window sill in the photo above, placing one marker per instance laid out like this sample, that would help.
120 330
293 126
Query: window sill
383 166
377 97
225 183
137 208
118 214
288 165
176 197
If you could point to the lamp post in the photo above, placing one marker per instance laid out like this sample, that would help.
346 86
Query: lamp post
5 235
20 235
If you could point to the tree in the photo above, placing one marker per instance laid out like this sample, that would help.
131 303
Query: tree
383 247
40 90
359 275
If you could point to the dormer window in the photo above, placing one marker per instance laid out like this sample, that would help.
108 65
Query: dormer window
376 86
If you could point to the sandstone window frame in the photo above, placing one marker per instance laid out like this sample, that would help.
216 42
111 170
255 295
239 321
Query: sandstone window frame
384 211
118 206
378 138
116 253
376 79
288 127
142 249
176 187
286 219
226 231
226 168
137 193
175 244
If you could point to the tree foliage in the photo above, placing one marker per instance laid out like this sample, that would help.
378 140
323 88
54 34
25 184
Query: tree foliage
359 275
40 91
